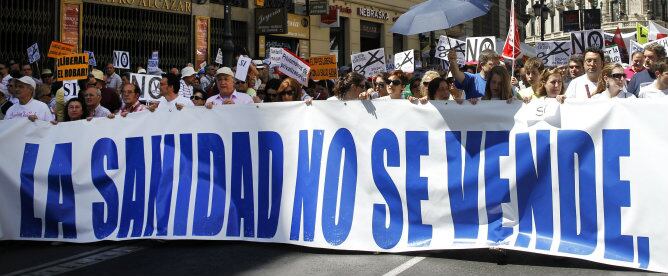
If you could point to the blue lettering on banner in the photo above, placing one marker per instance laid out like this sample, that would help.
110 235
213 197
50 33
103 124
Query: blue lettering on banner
60 184
134 188
104 150
242 205
463 192
386 237
31 226
185 185
160 191
211 156
306 187
497 189
269 144
417 145
336 233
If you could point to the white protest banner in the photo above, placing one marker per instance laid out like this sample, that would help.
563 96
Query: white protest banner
33 53
446 43
404 61
553 53
585 39
369 63
475 46
613 54
292 66
243 63
467 176
275 55
219 56
153 65
91 58
71 89
635 47
149 85
121 60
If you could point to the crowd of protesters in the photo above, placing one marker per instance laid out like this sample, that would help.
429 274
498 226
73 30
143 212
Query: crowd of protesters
108 94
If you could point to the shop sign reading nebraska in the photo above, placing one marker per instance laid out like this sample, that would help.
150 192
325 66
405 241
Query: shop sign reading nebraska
180 6
377 14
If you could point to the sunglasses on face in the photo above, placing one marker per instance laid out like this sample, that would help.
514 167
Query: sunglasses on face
196 98
379 84
618 75
240 82
393 82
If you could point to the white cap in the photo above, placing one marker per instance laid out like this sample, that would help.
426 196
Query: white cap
141 71
28 80
225 70
187 72
258 64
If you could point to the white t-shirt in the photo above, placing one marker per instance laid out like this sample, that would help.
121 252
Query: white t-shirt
650 91
579 86
606 95
171 106
33 107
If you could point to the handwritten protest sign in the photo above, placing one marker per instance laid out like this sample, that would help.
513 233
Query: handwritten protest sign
91 58
121 60
275 55
614 54
553 53
153 65
219 56
33 53
586 39
72 67
323 67
59 49
71 89
242 68
370 62
446 43
149 85
405 61
292 66
475 46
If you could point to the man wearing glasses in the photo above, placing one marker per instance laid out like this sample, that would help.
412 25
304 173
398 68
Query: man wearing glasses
584 87
227 95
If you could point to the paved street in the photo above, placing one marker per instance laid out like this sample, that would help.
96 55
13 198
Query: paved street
243 258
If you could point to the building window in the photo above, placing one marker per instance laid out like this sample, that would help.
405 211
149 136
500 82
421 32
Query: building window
337 42
369 35
397 43
239 35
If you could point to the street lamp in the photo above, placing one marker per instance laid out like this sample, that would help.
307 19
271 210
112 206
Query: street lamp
228 44
540 10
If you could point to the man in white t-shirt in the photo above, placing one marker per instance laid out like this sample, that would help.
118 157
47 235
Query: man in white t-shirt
170 100
27 106
583 87
659 87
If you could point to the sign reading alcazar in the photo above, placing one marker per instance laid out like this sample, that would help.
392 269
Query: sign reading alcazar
180 6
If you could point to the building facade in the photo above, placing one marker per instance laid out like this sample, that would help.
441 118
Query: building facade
614 13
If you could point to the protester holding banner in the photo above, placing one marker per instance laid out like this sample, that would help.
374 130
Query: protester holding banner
659 87
378 87
414 87
290 90
395 85
349 87
584 86
533 68
652 53
76 110
424 83
27 106
438 89
130 93
551 84
198 97
637 59
110 97
93 95
113 80
170 100
474 84
227 93
498 86
612 83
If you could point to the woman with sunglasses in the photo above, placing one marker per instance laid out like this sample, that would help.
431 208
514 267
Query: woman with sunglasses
289 90
379 85
198 98
612 83
395 85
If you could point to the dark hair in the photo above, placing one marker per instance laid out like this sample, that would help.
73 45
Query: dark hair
506 89
173 81
84 109
433 87
579 59
344 84
657 49
135 88
401 75
597 51
661 65
273 84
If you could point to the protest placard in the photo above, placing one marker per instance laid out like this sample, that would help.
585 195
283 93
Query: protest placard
323 67
553 53
71 89
219 56
635 47
121 60
614 54
33 53
586 39
243 63
72 67
149 85
475 46
292 66
275 55
446 43
405 61
153 65
59 49
155 55
370 62
91 58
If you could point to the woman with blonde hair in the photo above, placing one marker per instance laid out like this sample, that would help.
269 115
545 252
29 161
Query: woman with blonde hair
551 84
612 83
289 90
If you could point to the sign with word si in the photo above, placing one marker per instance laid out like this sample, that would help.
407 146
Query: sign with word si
614 54
71 89
475 46
153 65
243 63
369 63
663 42
148 84
275 55
219 56
33 53
323 67
635 47
59 49
586 39
553 53
72 67
446 43
405 61
91 58
466 176
121 60
292 66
